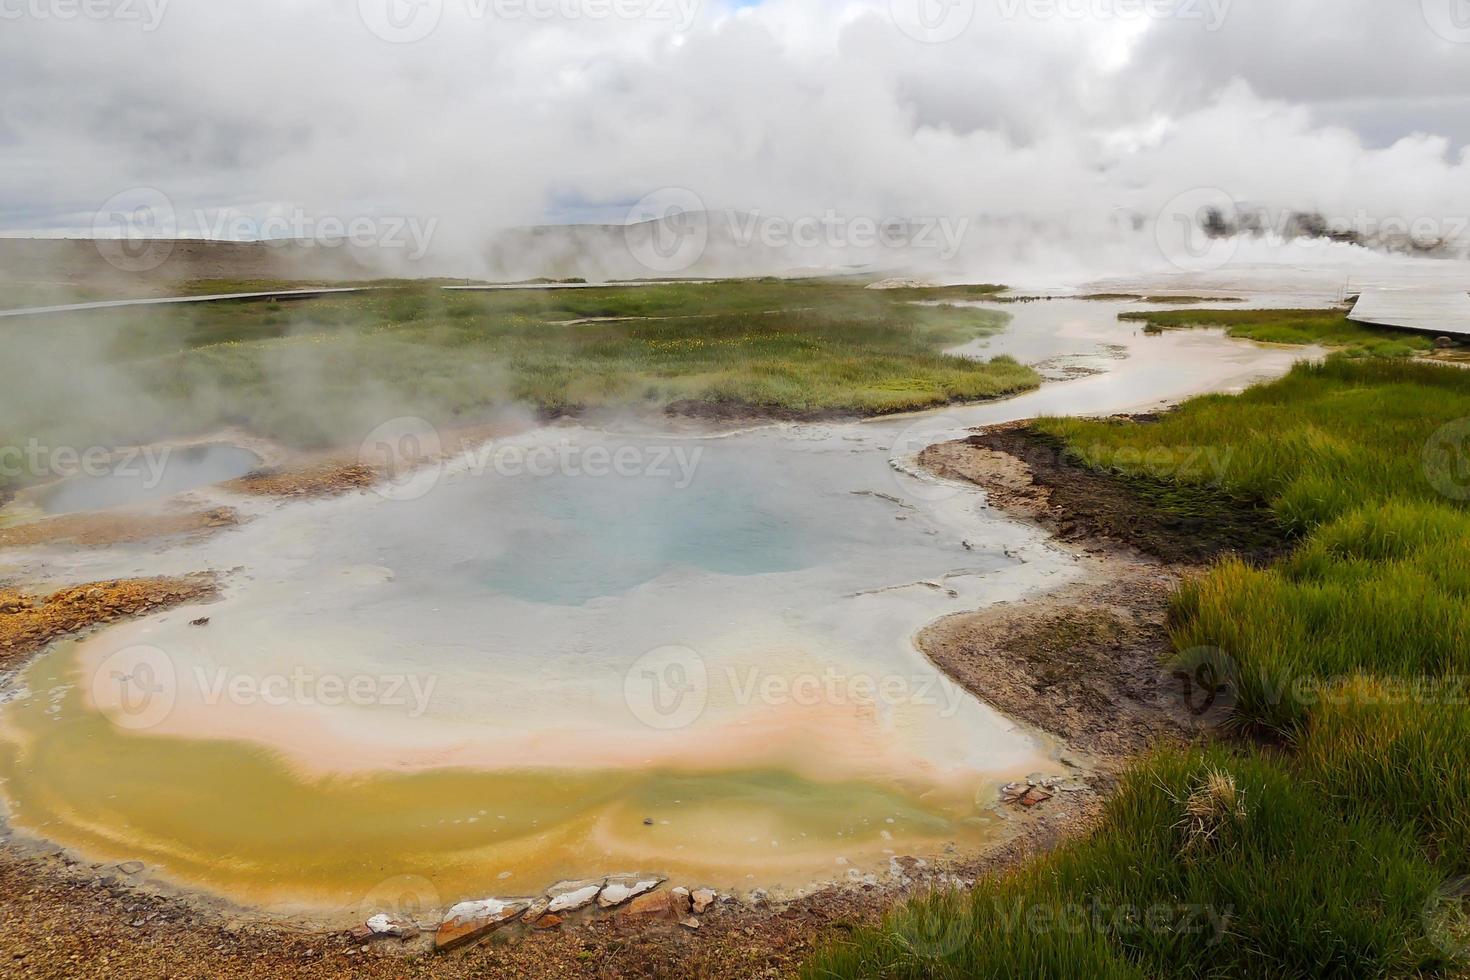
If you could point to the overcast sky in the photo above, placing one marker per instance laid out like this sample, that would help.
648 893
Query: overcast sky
491 113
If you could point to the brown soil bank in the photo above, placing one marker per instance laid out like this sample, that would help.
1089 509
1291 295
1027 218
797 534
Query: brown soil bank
1085 664
29 622
1031 474
325 479
1089 664
118 527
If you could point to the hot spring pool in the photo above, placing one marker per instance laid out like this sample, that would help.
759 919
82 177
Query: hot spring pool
152 476
703 670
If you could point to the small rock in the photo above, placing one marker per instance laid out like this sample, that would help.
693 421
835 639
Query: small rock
702 900
681 901
201 621
548 922
469 921
655 905
569 896
1443 342
398 927
648 821
1035 795
130 867
689 922
620 889
538 908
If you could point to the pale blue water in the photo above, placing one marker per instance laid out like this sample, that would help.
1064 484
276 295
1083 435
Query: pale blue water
569 539
572 543
140 479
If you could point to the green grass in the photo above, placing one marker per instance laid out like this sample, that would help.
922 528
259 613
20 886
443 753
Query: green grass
1289 889
1381 749
1350 651
1328 328
1353 647
325 371
18 295
1355 456
15 296
978 291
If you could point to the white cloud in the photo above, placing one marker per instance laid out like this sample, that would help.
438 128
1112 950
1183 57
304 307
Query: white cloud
791 107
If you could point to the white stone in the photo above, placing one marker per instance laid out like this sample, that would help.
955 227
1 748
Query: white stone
574 900
617 892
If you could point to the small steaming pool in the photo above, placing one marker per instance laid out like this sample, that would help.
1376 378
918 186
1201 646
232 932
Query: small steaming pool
705 668
146 476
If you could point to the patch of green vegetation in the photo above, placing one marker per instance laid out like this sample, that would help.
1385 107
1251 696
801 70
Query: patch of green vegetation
17 296
980 291
1253 875
325 371
1322 440
212 287
1329 328
1359 458
1351 651
14 296
1137 496
1399 752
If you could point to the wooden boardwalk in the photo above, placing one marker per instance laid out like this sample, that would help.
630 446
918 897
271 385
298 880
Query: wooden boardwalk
175 300
1438 311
